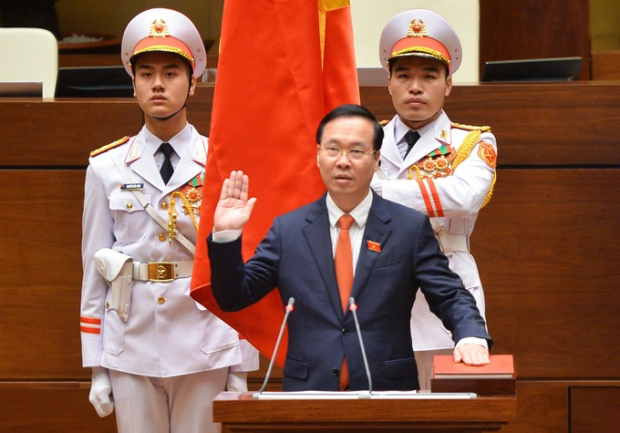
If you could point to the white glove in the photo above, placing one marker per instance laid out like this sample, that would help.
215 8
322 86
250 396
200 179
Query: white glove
100 391
237 381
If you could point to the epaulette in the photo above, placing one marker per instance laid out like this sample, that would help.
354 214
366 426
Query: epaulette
384 122
472 128
109 146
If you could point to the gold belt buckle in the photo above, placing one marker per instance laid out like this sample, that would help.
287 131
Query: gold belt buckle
161 272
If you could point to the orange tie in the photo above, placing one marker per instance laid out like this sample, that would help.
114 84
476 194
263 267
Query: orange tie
344 276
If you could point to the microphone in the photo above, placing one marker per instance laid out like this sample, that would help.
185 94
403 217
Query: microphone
353 308
288 309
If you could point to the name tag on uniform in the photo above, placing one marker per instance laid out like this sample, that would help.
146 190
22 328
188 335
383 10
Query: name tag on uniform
132 186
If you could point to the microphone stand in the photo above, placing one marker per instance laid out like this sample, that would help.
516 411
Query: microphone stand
288 309
353 308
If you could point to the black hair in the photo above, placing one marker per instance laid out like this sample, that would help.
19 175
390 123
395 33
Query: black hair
352 110
393 61
188 65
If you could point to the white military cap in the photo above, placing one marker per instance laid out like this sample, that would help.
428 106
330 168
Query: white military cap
161 29
420 32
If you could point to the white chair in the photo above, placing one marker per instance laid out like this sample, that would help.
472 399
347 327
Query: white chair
370 16
29 55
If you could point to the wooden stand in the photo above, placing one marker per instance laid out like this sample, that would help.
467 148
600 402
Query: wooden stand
240 413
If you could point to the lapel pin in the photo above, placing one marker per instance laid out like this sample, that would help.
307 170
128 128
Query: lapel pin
374 246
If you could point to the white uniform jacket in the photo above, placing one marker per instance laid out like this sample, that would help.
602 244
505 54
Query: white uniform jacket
451 197
167 333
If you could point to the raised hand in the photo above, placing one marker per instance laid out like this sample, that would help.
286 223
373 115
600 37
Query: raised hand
234 209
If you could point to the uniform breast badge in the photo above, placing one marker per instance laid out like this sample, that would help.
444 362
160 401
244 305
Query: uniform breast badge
193 192
194 196
436 164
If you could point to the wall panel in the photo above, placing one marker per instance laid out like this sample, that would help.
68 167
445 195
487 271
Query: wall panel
544 244
530 29
594 409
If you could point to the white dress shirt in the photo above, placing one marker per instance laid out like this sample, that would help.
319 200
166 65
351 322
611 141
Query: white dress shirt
176 142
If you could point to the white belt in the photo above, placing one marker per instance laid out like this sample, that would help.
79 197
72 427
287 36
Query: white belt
457 243
162 272
449 243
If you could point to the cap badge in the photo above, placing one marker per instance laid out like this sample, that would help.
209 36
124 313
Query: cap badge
417 29
159 29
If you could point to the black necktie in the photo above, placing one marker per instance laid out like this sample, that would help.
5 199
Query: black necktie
411 137
166 169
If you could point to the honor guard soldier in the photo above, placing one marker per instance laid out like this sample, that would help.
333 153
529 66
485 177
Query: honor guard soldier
156 355
443 169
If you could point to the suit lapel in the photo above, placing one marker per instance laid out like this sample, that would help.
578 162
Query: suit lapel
143 163
389 150
376 230
186 170
192 163
425 145
317 234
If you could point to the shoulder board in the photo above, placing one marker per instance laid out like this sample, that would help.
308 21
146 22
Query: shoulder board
109 146
472 128
384 122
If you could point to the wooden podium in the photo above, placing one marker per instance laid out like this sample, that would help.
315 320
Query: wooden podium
240 413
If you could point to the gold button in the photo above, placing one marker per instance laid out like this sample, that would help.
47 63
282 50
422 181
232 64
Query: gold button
161 300
164 205
107 305
129 205
162 237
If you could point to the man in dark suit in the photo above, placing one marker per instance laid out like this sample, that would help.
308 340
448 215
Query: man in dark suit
389 250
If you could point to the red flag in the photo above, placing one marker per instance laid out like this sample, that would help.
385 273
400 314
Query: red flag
283 65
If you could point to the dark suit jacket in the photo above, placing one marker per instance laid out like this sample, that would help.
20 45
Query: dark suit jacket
296 256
